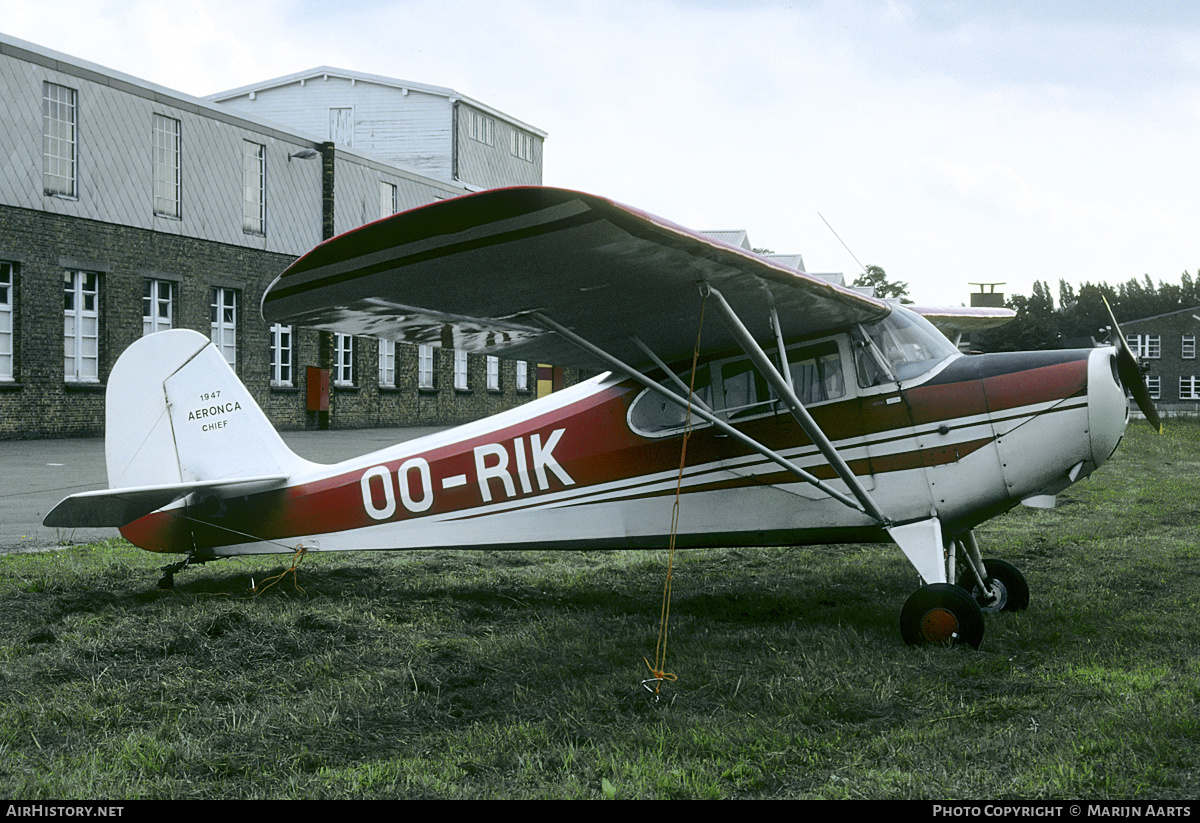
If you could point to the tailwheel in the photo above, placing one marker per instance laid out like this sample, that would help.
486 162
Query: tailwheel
1008 591
941 614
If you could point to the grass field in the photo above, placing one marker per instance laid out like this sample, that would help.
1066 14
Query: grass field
448 675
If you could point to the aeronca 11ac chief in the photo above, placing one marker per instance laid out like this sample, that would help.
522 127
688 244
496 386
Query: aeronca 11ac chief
817 414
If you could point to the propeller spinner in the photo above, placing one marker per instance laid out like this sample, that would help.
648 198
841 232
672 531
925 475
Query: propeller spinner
1131 375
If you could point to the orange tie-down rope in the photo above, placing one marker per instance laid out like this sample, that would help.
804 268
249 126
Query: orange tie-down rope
301 551
658 669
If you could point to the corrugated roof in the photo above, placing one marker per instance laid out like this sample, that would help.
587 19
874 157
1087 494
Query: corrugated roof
322 72
734 237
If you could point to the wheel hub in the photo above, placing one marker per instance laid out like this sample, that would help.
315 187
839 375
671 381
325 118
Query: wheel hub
994 599
939 626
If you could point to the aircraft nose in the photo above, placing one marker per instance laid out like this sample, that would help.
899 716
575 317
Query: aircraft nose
1108 409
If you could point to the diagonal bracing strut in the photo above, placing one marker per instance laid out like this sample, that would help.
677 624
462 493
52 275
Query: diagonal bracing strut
783 388
704 414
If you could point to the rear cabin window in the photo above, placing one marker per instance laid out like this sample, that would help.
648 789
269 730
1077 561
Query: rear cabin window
740 392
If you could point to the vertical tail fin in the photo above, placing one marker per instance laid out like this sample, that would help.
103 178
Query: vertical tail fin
176 413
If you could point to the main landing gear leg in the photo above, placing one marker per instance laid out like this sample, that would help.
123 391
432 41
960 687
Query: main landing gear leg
939 613
943 614
996 585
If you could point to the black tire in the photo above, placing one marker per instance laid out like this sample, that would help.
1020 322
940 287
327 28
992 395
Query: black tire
1010 588
941 614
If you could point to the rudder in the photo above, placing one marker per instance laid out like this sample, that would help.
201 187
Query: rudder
176 413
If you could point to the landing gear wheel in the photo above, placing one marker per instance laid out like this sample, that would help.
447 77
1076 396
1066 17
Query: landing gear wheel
1009 591
941 614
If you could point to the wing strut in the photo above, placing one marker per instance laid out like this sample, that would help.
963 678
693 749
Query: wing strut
783 387
617 365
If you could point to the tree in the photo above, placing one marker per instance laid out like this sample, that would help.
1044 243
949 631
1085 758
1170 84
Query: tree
1082 315
876 278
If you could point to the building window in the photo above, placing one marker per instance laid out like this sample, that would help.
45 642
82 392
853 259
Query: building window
1189 388
481 127
59 149
425 367
8 304
522 145
223 307
166 166
81 326
1145 346
1154 385
254 188
1189 347
158 310
522 375
281 355
387 363
343 360
460 370
387 199
493 373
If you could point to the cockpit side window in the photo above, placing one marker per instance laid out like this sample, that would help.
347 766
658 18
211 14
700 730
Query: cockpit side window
741 392
817 372
899 347
744 389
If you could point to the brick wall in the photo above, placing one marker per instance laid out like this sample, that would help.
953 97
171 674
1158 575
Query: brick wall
39 402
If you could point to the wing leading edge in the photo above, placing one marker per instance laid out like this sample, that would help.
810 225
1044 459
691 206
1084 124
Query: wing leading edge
468 273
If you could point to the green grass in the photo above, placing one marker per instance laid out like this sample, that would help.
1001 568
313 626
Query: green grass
445 674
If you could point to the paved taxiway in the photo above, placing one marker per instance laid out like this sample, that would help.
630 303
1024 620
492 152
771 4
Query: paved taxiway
36 474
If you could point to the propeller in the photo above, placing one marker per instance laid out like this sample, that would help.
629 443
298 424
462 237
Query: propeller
1131 375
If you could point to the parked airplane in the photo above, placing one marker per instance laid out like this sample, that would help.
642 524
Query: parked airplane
816 414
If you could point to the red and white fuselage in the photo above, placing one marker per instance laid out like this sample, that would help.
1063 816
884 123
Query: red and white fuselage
963 442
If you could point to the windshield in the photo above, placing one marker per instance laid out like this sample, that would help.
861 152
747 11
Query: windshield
905 342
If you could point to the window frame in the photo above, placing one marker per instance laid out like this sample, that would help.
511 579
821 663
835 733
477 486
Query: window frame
1192 384
521 145
152 299
462 366
1187 346
1145 346
8 321
254 188
283 350
481 128
387 364
224 332
60 141
167 143
389 199
493 373
76 326
426 367
343 360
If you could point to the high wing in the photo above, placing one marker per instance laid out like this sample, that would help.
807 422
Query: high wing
956 320
472 273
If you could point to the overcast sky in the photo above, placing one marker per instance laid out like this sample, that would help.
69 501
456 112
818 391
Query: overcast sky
948 142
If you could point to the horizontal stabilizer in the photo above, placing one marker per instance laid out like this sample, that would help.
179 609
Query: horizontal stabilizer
119 507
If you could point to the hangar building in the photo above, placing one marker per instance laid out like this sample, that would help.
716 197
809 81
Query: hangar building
128 208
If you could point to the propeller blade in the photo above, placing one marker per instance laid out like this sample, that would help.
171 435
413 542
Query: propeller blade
1131 375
